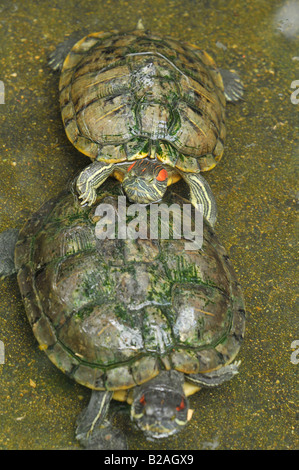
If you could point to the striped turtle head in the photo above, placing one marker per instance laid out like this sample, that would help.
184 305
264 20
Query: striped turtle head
145 181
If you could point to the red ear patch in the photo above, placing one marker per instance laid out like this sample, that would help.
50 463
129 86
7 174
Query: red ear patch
142 400
162 175
131 166
182 405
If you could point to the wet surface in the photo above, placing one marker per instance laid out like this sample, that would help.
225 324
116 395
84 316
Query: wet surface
254 186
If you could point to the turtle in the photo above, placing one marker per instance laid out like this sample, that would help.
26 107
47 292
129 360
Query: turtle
142 321
146 110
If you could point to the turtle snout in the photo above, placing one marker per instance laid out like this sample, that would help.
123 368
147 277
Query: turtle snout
157 415
139 190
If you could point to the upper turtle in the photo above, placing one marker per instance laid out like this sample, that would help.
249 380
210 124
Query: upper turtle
137 98
128 96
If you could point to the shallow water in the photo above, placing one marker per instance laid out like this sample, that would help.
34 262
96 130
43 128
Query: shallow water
254 186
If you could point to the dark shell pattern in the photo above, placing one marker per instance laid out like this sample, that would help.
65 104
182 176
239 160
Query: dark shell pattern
125 96
112 314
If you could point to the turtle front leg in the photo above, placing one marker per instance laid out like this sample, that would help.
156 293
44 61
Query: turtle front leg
94 431
91 178
201 193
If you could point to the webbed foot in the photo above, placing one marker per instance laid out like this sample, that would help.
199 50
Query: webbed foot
105 437
233 86
94 431
217 377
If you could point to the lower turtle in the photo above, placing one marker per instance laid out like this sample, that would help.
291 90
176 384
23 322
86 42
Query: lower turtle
143 321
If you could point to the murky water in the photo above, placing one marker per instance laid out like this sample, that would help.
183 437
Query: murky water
254 186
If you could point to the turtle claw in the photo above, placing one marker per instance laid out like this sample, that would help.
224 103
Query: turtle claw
89 200
233 368
89 196
85 190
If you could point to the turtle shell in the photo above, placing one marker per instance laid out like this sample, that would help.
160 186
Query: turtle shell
113 313
128 96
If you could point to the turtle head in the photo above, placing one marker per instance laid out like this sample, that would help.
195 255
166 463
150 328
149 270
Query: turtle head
160 407
145 181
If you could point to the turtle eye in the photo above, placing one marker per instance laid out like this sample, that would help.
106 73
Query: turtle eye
181 405
162 175
131 166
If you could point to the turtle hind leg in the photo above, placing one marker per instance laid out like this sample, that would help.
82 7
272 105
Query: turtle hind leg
8 240
216 377
94 431
233 87
57 57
